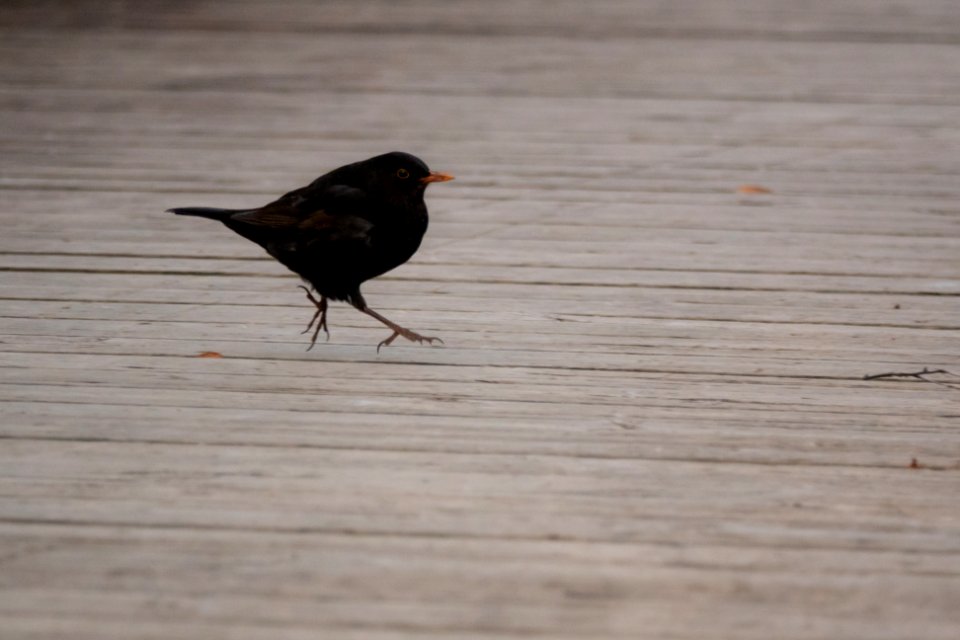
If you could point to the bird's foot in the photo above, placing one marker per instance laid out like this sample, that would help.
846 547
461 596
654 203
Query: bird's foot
320 318
322 324
412 336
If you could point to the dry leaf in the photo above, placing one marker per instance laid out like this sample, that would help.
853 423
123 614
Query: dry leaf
209 354
752 188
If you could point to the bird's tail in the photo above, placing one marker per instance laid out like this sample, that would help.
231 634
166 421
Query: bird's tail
205 212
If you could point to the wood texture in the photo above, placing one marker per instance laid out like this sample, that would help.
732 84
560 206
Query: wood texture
649 417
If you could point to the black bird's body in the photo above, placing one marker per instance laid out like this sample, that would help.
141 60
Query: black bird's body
346 227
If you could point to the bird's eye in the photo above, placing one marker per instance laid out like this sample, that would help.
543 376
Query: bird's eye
403 174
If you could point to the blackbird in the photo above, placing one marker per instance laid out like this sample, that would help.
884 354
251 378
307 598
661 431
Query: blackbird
342 229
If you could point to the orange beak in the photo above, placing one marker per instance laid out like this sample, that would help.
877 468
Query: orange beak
436 176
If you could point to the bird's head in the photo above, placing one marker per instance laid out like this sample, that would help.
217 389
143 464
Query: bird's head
400 176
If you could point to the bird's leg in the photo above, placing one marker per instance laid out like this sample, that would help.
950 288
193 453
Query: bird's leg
397 330
321 314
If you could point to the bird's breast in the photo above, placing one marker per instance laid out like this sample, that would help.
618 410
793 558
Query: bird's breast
394 240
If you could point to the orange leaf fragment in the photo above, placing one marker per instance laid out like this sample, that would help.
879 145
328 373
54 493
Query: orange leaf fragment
752 188
209 354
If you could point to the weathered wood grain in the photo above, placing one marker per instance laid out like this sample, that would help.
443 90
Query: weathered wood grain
649 417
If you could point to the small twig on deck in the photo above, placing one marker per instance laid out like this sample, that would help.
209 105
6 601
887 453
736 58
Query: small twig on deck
904 374
919 375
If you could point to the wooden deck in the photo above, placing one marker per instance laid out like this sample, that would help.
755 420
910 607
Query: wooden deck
681 235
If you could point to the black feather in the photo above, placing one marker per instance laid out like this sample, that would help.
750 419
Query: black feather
205 212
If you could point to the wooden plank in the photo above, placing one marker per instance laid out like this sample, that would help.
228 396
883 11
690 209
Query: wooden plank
888 21
621 68
255 488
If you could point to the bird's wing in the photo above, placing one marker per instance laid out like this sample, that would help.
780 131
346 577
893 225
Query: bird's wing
308 208
323 243
311 229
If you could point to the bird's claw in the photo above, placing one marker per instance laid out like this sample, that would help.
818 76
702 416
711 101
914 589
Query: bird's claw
409 335
322 324
322 314
320 317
